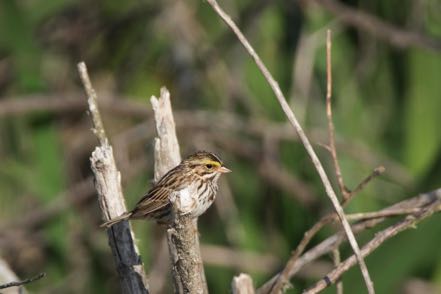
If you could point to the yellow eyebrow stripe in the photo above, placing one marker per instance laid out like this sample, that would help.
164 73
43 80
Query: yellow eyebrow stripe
214 163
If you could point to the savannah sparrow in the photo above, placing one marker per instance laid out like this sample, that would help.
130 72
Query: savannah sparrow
192 186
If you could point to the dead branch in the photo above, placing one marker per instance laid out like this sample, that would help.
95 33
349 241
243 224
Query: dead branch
332 242
292 119
182 236
108 185
23 282
242 284
331 129
410 221
336 258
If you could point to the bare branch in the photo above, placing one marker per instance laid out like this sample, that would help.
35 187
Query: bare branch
182 236
92 100
291 117
242 284
110 197
331 130
332 242
382 213
346 193
381 237
307 237
375 173
337 260
23 282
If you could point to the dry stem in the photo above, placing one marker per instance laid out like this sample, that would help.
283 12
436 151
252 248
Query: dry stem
317 164
419 202
182 236
337 260
23 282
381 237
108 185
242 284
332 149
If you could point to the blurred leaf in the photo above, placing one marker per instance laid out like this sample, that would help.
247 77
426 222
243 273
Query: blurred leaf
423 104
49 177
16 36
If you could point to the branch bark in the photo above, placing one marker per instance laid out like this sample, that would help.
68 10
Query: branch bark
182 235
305 141
108 185
242 284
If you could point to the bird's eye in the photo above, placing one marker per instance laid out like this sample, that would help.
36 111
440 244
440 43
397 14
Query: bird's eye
209 166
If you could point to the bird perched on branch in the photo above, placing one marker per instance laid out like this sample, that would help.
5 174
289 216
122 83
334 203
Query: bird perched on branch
191 186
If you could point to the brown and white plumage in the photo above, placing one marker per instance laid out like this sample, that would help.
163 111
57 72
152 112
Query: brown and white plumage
192 185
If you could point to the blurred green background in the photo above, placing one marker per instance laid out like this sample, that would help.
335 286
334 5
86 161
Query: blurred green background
386 104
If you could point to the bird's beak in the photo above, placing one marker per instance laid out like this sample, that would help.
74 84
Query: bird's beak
224 170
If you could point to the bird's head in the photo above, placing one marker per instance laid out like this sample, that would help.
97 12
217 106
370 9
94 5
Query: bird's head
205 164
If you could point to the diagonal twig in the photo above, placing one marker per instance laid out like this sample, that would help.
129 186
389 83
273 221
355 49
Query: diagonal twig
23 282
292 119
380 237
413 205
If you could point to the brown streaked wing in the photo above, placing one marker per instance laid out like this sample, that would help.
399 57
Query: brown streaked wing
156 199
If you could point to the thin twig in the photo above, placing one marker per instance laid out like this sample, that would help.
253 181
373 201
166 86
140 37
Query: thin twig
346 193
381 237
335 240
337 259
332 149
108 185
92 100
23 282
375 173
329 218
317 164
377 214
307 237
182 235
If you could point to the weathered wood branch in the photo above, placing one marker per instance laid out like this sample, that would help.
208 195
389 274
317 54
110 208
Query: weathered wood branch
242 284
182 235
110 197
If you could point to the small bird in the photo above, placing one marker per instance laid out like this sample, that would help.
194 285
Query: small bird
192 186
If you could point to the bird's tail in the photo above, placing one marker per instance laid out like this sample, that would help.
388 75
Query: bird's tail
118 219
